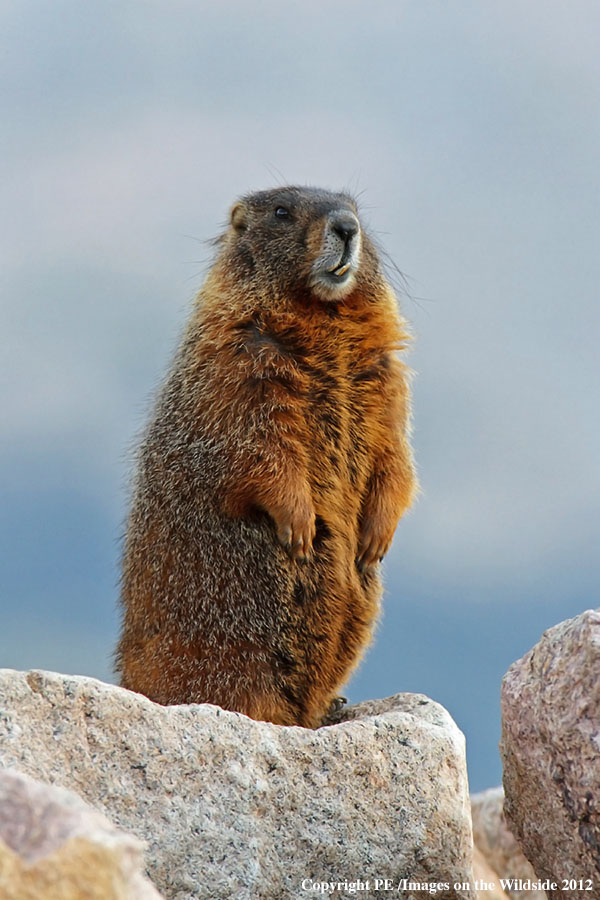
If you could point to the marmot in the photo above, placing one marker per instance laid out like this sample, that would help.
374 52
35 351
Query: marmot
273 472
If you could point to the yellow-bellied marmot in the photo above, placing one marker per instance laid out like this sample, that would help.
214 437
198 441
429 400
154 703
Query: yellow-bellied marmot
273 472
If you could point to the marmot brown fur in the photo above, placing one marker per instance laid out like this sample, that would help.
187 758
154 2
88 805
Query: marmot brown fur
273 472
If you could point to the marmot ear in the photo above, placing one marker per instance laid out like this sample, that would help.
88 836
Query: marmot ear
239 217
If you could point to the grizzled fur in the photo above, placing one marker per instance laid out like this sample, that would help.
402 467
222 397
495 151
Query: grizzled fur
273 472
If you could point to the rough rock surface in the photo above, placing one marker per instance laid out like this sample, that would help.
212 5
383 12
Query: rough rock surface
233 808
551 753
53 846
497 845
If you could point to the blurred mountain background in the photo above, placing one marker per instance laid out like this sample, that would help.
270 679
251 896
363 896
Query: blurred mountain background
472 133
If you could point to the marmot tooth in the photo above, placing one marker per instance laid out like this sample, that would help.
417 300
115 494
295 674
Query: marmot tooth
342 269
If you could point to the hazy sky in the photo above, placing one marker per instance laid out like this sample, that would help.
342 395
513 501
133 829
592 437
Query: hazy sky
473 131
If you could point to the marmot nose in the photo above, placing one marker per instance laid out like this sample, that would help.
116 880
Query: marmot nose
344 224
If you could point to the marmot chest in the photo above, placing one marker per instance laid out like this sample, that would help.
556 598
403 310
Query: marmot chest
341 397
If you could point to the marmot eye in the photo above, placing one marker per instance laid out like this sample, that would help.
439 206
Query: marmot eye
281 212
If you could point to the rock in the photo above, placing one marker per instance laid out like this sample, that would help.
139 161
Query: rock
233 808
551 752
53 846
498 846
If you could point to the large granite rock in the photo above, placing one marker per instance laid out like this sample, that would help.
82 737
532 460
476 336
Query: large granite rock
551 753
497 845
233 808
55 847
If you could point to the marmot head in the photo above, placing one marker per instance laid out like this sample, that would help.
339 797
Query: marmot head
300 239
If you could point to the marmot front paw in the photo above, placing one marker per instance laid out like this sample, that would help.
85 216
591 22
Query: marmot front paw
296 530
375 541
